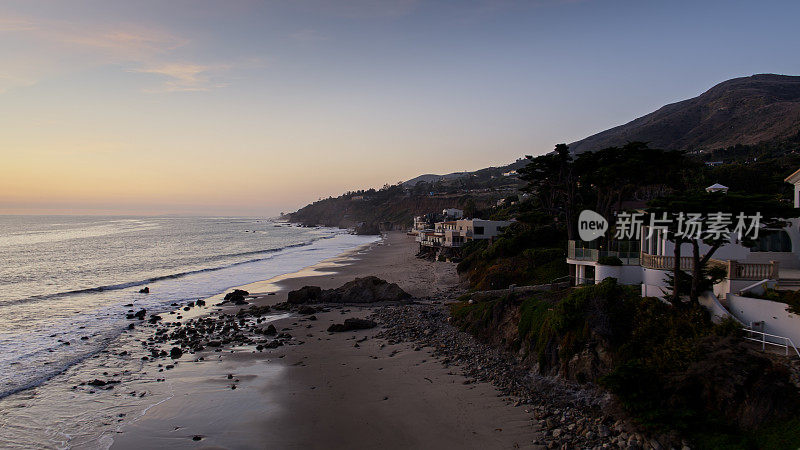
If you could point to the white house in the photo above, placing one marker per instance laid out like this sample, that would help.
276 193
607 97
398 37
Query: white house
455 233
453 213
773 262
795 180
650 260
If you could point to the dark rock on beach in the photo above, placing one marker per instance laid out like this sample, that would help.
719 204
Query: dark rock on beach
236 297
306 294
352 324
138 315
361 290
306 310
369 289
144 290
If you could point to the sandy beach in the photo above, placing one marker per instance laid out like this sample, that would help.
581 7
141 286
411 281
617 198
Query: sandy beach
332 390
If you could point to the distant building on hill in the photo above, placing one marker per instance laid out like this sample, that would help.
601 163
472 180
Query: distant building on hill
453 213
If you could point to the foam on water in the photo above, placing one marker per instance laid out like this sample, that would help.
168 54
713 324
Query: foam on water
71 278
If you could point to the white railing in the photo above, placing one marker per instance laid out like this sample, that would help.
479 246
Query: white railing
763 340
753 271
664 262
745 290
736 270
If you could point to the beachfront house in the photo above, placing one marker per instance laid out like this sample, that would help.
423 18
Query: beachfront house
794 179
454 233
424 222
649 260
428 221
772 263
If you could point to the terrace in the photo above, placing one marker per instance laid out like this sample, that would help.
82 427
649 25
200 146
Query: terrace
627 251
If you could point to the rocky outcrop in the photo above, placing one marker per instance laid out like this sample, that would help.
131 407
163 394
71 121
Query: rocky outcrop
368 290
306 294
361 290
368 228
236 297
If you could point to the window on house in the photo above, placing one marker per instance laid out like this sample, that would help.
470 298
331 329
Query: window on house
773 241
478 230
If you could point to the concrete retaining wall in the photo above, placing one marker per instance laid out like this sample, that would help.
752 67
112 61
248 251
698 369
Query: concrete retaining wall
774 315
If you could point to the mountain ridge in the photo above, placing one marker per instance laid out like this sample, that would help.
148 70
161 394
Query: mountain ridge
746 110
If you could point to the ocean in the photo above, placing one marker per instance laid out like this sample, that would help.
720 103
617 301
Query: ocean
66 282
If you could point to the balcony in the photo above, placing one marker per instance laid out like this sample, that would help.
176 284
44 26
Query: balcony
626 251
736 270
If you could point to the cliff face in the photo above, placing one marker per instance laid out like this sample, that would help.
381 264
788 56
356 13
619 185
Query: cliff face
668 367
748 110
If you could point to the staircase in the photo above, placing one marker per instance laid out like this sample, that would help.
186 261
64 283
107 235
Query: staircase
789 284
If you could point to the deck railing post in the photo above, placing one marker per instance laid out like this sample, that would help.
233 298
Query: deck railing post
774 270
731 269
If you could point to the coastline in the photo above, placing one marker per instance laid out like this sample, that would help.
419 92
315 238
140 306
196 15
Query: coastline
42 415
86 305
331 390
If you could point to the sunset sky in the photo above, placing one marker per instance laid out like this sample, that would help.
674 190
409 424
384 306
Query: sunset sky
255 107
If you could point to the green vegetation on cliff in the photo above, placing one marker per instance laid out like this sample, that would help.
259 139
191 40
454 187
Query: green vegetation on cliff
525 254
671 368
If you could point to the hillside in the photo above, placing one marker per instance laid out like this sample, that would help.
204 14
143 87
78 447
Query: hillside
748 110
395 206
478 176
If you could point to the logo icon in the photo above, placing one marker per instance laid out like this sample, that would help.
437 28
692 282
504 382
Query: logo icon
591 225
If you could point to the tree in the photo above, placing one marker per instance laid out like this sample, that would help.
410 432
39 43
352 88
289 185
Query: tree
552 179
616 174
711 209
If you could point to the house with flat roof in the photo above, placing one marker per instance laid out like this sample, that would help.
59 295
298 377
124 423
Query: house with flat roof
453 213
455 233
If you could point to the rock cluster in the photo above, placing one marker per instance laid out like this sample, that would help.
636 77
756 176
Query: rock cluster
212 332
361 290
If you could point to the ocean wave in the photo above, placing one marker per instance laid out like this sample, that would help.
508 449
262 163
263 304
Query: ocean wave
131 284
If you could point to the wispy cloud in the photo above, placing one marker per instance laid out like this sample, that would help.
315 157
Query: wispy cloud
52 47
15 24
185 77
